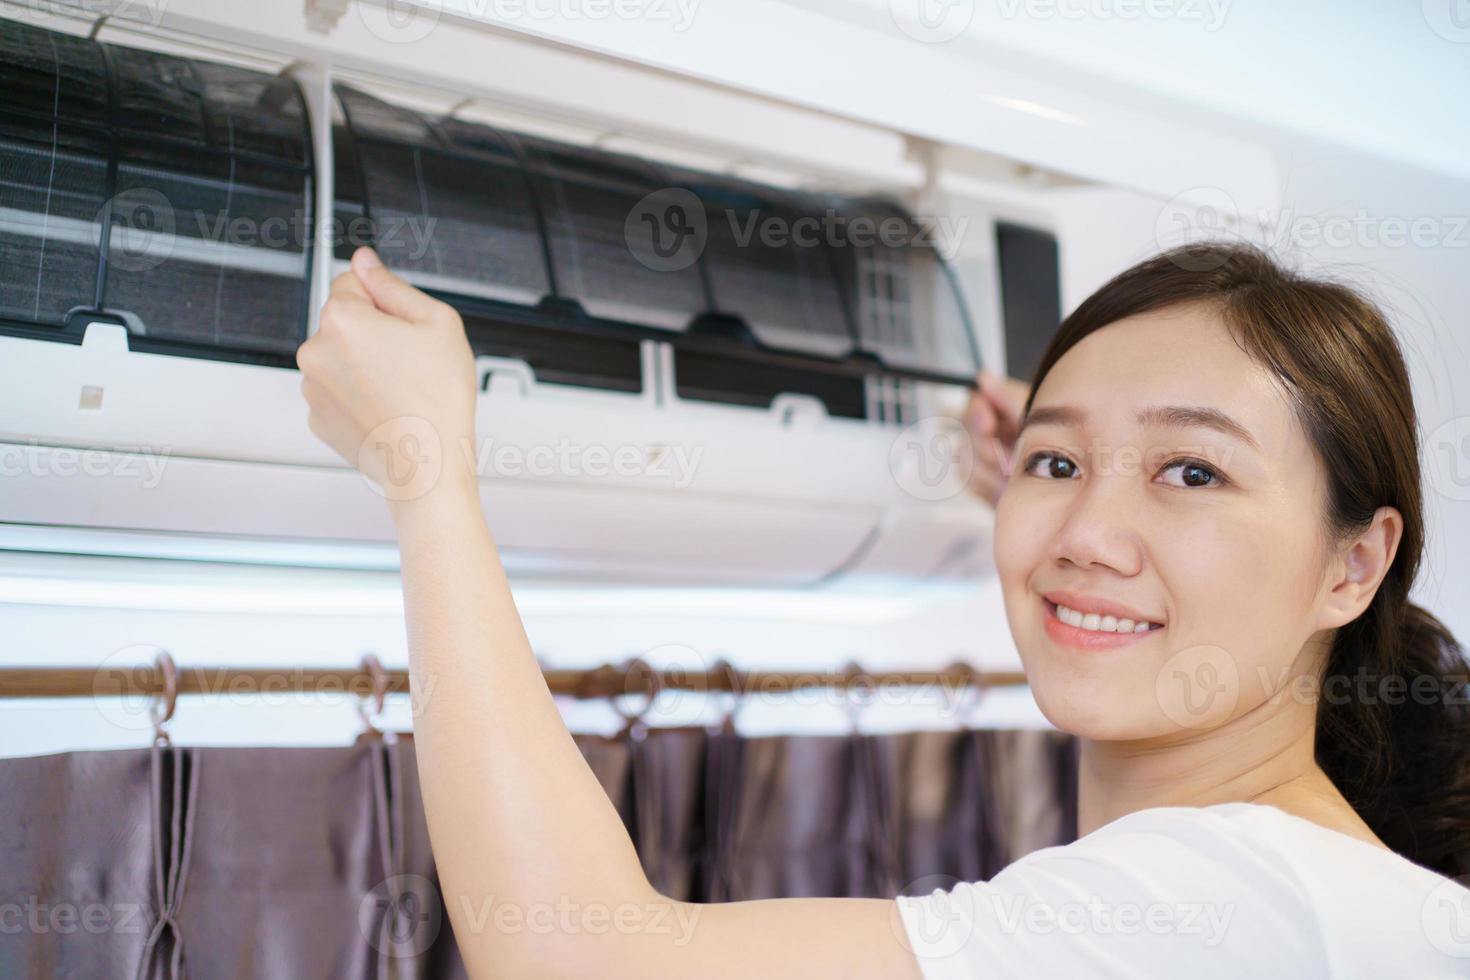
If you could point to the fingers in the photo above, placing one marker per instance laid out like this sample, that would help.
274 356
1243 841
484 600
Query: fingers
349 286
390 293
1007 396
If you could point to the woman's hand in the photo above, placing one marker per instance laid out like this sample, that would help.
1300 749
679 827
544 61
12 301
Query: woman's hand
993 420
390 379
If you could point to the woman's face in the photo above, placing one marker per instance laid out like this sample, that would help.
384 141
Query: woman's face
1124 495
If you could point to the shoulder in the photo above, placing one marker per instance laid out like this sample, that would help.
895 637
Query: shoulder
1229 890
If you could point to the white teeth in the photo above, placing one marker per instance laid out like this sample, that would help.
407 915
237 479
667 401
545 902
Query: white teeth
1102 624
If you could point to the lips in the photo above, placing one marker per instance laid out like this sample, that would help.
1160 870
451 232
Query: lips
1076 637
1102 607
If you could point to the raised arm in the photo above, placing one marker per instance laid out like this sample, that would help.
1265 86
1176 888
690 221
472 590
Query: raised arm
539 876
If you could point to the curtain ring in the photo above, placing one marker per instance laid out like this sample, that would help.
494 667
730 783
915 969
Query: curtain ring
971 679
634 720
853 678
162 709
373 668
735 679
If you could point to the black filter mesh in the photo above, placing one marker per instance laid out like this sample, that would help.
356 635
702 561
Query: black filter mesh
49 201
459 224
595 205
207 259
52 75
770 264
908 308
202 170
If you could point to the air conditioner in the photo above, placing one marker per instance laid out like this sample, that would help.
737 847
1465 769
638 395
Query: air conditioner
703 360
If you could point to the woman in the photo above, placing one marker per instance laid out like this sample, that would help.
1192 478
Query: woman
1208 519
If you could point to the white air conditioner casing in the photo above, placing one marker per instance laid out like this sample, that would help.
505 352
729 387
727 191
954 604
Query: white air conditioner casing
214 458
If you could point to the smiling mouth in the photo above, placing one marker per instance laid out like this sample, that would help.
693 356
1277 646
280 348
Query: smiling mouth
1063 627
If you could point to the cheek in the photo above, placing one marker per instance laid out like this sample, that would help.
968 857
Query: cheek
1022 531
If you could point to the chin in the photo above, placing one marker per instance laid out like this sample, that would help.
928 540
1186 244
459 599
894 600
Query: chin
1100 708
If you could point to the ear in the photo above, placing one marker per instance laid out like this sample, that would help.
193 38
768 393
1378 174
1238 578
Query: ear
1358 570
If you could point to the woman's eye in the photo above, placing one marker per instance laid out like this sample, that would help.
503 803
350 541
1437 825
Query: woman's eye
1060 468
1193 473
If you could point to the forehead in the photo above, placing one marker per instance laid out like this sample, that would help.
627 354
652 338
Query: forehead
1183 355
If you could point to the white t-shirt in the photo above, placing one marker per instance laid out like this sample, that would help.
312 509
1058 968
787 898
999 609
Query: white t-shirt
1230 890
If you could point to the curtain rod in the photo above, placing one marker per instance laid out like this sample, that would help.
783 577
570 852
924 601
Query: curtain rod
634 677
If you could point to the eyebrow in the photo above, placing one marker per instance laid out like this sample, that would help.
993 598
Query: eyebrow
1171 416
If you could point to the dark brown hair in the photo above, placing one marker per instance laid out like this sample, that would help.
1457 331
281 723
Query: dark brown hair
1400 753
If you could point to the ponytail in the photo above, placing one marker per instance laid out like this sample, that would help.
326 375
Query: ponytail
1393 732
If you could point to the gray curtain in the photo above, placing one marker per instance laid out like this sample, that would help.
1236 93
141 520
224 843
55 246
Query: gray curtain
315 862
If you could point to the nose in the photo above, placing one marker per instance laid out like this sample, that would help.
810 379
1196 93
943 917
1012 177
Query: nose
1100 526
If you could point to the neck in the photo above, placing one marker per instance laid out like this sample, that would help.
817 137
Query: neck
1257 757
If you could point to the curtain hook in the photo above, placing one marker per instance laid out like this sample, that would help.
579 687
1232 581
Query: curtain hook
373 668
736 681
633 722
854 678
164 701
974 680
